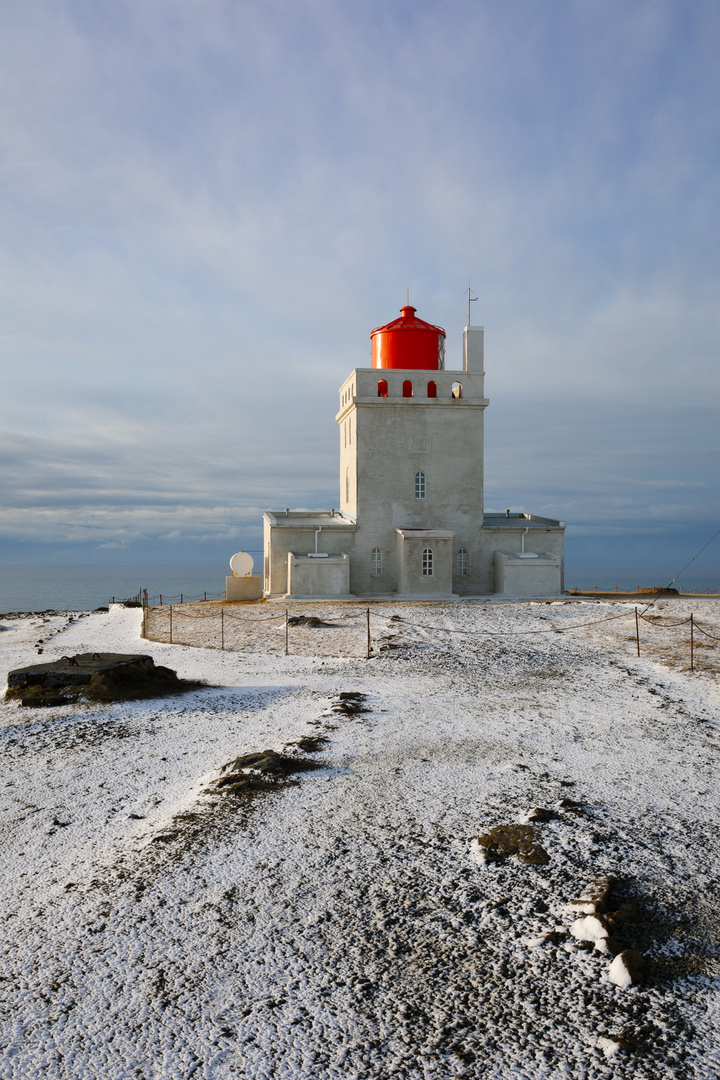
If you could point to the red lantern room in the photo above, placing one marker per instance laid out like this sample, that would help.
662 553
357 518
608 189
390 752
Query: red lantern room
408 343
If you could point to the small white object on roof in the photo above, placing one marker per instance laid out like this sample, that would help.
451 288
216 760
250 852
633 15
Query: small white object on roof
242 564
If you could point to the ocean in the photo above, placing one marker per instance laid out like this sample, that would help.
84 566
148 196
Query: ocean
83 588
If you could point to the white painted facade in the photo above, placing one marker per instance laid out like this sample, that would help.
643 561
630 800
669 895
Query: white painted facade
411 520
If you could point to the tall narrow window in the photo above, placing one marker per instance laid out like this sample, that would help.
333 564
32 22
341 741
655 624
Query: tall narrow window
419 485
376 562
463 562
382 388
350 430
407 388
432 389
427 562
347 485
344 434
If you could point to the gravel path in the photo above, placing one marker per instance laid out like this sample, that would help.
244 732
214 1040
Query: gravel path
337 925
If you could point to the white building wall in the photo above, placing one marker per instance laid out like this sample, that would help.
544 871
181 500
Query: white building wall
384 442
392 439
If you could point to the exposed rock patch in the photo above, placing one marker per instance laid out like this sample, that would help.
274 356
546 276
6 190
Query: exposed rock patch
627 969
94 677
349 702
307 620
520 840
267 770
594 899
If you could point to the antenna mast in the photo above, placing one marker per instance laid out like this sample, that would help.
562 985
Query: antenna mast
471 300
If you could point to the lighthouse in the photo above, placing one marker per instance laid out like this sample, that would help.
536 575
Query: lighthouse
411 521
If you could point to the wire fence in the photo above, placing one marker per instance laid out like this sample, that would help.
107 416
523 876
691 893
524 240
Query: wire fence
230 630
363 632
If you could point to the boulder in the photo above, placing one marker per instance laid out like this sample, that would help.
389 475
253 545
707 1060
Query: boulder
627 969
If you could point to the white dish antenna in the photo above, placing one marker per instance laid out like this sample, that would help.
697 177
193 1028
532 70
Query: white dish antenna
242 564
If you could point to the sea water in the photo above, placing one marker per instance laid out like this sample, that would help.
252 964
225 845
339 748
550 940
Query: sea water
84 588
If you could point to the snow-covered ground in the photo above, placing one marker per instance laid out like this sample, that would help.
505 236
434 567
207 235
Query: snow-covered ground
342 926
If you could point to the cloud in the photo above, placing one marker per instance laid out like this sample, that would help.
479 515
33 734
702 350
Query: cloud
206 208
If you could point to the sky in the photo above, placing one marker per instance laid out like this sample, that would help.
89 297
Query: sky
205 207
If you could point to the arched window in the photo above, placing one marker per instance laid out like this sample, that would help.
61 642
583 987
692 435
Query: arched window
382 388
432 389
347 485
419 485
463 562
457 389
427 569
376 562
407 388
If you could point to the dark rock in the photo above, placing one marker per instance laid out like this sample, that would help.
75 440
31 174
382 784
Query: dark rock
266 763
539 814
627 969
306 620
100 677
626 913
594 898
520 840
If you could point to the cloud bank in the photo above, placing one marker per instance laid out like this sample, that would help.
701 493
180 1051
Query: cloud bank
207 207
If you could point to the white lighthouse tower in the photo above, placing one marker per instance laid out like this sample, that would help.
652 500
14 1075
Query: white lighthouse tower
411 521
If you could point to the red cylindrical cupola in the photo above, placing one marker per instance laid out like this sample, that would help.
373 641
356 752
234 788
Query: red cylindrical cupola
408 343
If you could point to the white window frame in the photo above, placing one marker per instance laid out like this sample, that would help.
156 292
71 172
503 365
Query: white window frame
420 485
463 562
427 562
376 562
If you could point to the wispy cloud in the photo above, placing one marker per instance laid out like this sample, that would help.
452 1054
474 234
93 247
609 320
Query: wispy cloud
206 207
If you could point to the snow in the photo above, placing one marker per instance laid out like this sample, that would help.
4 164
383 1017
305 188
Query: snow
341 926
589 928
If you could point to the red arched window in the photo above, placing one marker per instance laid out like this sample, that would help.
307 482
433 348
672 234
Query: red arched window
382 388
407 388
432 389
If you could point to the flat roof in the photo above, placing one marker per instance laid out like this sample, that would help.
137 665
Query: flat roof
310 519
520 521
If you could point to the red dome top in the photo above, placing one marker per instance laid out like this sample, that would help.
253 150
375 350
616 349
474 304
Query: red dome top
408 343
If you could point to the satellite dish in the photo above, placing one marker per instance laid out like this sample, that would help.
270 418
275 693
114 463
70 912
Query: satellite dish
241 564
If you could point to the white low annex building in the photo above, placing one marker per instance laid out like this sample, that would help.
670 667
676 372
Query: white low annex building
411 520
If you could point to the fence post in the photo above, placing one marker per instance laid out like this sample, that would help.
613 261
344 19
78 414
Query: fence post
287 613
160 599
171 641
368 633
181 598
637 631
204 596
222 628
692 642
